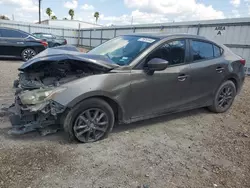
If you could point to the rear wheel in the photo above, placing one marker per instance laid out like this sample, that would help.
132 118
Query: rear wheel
224 97
27 54
89 121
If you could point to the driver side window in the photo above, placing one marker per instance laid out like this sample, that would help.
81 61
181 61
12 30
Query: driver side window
173 52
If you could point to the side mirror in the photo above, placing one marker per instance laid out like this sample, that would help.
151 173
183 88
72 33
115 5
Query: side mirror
157 64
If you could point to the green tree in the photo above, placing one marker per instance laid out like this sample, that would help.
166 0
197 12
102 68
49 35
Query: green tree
96 15
49 12
71 13
54 17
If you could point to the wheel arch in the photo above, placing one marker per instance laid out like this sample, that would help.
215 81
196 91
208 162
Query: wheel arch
235 80
235 83
114 104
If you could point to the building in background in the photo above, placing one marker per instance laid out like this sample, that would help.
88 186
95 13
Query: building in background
70 24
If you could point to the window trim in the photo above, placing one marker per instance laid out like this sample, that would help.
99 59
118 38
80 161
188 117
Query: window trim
141 64
205 41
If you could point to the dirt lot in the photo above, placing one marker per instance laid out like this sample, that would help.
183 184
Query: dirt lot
191 149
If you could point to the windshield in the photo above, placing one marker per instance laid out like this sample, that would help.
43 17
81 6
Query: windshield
122 50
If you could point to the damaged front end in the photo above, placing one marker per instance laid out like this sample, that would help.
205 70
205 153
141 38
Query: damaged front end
43 77
35 110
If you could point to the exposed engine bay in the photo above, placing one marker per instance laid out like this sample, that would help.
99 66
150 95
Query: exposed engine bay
40 79
53 74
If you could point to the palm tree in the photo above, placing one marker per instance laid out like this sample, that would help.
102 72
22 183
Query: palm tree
2 17
54 17
49 12
71 13
96 15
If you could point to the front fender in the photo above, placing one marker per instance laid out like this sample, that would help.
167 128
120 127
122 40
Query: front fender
115 86
84 96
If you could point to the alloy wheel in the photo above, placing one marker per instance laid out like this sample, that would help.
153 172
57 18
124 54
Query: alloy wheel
225 97
91 125
28 54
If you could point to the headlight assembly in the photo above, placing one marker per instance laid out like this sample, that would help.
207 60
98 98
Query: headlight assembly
39 95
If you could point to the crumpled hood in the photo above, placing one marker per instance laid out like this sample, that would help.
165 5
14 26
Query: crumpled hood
70 53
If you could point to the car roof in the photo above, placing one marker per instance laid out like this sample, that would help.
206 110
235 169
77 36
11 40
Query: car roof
12 29
166 35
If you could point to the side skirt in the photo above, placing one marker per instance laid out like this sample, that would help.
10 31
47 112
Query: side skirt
140 118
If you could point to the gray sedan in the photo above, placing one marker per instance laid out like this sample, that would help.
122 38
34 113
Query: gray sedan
126 79
51 39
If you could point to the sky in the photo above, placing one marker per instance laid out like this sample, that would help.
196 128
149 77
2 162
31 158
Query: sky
125 12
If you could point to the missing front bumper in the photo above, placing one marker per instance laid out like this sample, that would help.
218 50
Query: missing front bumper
20 126
43 117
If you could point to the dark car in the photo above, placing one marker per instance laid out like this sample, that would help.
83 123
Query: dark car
129 78
52 40
17 43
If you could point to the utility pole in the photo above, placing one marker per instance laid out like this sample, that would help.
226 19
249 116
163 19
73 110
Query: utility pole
39 1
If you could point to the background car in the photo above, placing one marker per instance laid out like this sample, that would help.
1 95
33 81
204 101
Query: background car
52 40
17 43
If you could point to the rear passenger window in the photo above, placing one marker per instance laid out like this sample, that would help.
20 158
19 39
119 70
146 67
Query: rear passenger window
217 51
201 50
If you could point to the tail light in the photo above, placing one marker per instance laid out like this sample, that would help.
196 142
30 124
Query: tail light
243 62
45 44
65 41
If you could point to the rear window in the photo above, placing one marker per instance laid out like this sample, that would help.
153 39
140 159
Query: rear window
47 36
217 51
8 33
37 35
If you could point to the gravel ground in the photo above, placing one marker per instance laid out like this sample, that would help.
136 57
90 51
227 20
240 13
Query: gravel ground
191 149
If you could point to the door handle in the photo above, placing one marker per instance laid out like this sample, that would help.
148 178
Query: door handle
220 69
182 77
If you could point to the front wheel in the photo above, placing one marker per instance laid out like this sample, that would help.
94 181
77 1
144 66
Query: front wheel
27 54
89 121
224 97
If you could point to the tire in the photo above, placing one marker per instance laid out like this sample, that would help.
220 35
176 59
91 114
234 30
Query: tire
80 127
27 54
15 83
224 97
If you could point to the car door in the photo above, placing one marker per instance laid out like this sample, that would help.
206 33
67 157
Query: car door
207 71
15 41
165 90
